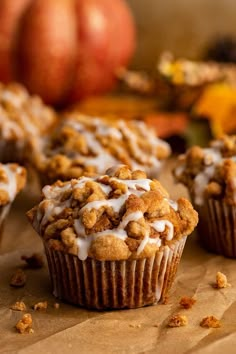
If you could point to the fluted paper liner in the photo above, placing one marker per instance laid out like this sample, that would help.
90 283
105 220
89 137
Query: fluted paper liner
114 284
217 227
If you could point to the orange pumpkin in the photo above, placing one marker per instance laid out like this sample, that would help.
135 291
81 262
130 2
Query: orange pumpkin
64 50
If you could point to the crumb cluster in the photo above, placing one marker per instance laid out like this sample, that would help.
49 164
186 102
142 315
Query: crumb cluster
210 322
18 279
42 305
221 281
187 302
18 306
117 216
178 320
25 324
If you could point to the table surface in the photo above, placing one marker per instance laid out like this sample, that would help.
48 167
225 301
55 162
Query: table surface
70 329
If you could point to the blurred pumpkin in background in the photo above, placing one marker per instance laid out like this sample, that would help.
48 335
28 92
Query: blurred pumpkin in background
64 50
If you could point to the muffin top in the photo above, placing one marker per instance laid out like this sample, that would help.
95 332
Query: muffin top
194 73
22 115
210 172
12 181
83 144
116 216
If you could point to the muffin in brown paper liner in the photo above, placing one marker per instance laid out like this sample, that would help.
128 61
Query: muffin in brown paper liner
217 227
112 241
114 284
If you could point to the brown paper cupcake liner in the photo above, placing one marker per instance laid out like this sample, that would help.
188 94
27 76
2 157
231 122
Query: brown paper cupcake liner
217 227
114 284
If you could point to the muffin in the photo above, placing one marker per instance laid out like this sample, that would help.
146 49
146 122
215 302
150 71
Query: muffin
12 181
22 117
112 241
85 145
210 176
187 79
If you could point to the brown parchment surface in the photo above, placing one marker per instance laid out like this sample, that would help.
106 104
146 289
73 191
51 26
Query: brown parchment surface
74 330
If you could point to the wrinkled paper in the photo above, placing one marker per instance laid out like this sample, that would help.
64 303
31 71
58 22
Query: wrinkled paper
70 329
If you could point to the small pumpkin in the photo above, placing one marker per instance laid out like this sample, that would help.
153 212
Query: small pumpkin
64 50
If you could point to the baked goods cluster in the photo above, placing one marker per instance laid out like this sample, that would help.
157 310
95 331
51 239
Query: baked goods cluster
120 215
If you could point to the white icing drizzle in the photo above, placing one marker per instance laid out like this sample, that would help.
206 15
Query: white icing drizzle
53 205
11 185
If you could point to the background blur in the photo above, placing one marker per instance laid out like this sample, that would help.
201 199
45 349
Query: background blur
182 26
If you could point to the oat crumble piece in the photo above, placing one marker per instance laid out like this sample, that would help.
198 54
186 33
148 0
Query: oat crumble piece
56 305
221 281
18 279
210 322
35 261
178 321
18 306
25 324
42 305
187 302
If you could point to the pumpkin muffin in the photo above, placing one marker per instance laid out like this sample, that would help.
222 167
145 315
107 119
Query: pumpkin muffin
112 241
12 181
22 117
210 176
85 145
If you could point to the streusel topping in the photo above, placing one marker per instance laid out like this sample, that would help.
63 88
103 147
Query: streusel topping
210 172
117 216
22 115
84 144
12 180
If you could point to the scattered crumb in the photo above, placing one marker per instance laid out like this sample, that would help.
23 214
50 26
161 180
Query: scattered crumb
56 305
178 321
187 302
156 325
135 325
210 322
35 261
18 279
221 281
18 306
25 324
40 306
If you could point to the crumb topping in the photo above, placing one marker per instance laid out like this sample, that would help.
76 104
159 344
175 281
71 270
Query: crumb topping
178 321
117 216
210 322
18 279
25 324
18 306
22 115
83 144
221 281
210 172
187 302
42 305
12 180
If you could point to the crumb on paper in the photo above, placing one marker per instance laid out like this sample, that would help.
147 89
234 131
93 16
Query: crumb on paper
135 325
25 324
56 305
18 306
18 279
187 302
156 325
35 261
210 322
221 281
42 305
178 321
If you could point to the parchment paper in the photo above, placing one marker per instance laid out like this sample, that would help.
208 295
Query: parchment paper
74 330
